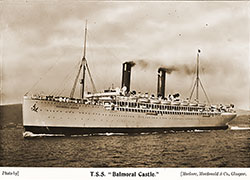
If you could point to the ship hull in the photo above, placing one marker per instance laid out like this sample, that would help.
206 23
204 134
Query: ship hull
80 131
52 117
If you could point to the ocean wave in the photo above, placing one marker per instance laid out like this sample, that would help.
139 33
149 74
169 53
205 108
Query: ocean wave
239 128
111 134
28 134
200 131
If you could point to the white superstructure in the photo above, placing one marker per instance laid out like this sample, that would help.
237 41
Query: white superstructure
101 114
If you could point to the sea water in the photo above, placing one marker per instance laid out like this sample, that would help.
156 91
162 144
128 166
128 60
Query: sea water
214 148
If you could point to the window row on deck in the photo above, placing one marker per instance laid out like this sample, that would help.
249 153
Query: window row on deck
158 106
165 112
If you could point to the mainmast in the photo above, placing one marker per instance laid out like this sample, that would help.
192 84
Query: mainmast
83 63
198 81
197 76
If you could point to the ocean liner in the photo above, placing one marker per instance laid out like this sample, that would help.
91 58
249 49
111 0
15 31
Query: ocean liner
122 110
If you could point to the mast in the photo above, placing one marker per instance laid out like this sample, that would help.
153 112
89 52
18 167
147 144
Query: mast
83 63
83 67
198 81
197 76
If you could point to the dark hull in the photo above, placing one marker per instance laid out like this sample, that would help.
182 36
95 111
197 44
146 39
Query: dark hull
80 131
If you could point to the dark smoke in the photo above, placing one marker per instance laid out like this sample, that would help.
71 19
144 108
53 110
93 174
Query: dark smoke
168 69
186 69
142 63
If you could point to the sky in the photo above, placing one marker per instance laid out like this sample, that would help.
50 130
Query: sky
41 46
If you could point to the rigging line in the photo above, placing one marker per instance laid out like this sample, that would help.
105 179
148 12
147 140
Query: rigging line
67 77
92 56
204 91
191 86
44 74
62 91
192 90
91 79
65 83
83 62
90 36
106 49
65 80
64 88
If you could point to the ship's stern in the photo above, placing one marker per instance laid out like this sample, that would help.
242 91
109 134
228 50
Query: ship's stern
227 117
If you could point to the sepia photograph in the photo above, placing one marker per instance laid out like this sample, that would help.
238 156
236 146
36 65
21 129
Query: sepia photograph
125 84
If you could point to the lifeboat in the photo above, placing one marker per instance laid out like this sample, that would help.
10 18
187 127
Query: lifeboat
184 103
193 104
155 101
175 102
143 100
166 102
214 106
201 105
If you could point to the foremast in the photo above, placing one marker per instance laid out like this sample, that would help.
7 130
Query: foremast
83 63
83 66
